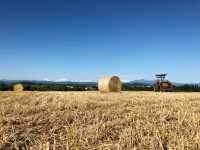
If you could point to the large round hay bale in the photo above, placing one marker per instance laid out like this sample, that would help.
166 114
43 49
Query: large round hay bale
110 84
18 87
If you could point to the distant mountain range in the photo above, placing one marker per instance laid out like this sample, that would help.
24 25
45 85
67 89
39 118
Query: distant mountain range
134 82
46 82
142 81
151 82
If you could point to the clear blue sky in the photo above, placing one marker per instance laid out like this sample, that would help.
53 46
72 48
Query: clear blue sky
87 39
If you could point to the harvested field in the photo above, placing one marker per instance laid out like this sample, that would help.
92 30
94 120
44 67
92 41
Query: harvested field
92 120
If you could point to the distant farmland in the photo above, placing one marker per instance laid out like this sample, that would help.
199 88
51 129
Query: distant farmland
91 120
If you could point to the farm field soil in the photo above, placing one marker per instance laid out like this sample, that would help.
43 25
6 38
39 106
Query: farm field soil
93 120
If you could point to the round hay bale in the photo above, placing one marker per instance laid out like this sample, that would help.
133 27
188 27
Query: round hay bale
110 84
18 87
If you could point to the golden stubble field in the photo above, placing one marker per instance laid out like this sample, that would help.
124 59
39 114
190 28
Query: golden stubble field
92 120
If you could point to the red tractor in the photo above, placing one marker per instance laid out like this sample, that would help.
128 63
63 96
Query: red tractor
162 84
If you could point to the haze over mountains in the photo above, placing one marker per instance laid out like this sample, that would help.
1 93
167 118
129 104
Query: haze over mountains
134 82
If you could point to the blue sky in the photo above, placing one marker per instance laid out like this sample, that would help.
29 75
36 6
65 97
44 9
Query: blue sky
86 39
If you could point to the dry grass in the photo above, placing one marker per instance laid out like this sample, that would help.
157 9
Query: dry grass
91 120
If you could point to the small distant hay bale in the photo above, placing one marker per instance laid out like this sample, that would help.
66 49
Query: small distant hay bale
110 84
18 87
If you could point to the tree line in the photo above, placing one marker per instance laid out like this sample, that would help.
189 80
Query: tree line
29 86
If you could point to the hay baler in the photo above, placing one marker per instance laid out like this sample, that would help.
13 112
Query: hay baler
161 84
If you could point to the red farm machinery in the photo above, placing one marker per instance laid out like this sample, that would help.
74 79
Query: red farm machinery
161 84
